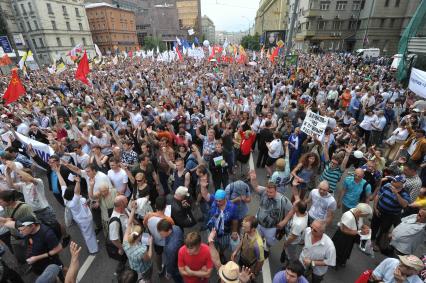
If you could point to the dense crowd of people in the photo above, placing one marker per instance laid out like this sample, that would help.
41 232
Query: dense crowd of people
155 160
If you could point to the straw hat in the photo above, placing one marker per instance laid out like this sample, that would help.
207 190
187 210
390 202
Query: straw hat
411 261
229 272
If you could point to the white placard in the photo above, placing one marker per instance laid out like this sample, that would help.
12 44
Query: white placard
418 82
314 124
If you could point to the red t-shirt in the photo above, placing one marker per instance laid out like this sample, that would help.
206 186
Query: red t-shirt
195 262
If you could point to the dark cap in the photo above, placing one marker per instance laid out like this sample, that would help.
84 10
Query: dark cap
26 221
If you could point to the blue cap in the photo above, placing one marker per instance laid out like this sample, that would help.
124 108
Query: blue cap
399 178
219 195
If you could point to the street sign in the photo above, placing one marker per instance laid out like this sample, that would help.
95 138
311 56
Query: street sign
4 42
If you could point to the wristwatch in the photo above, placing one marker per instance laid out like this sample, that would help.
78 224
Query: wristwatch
313 263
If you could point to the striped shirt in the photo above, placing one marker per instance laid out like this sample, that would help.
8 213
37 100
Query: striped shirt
388 203
332 176
135 255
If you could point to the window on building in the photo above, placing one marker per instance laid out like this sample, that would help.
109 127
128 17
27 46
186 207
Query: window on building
362 4
397 3
382 22
321 25
36 25
68 25
387 3
40 40
80 26
49 8
58 42
180 23
53 25
337 25
22 27
341 5
29 26
72 41
356 6
34 42
307 25
324 5
84 41
77 12
64 10
30 7
392 23
24 12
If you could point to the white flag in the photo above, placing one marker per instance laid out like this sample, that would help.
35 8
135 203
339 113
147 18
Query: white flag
98 51
191 31
178 41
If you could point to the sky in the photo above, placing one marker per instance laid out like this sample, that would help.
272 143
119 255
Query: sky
230 15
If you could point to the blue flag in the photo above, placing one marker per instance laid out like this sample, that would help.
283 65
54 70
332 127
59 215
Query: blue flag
196 40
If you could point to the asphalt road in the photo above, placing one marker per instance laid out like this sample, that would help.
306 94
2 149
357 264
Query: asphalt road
100 268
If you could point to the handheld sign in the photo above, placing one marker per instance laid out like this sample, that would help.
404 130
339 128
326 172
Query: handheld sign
314 124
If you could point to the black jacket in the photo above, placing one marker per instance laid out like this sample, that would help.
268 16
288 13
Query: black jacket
182 216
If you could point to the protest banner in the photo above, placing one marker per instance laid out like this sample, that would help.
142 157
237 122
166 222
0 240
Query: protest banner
418 82
44 151
314 124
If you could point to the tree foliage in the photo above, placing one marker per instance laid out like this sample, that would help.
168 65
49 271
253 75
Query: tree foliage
251 42
151 42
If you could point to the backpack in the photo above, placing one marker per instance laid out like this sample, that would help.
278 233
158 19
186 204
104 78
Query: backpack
111 249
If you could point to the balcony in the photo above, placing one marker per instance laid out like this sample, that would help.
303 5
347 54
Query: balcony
311 13
306 33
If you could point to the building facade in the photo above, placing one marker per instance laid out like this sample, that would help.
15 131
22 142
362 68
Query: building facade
112 28
331 25
49 28
232 37
189 15
158 19
208 29
271 15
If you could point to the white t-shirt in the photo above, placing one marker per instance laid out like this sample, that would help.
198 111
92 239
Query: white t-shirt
367 122
100 180
275 148
298 226
15 177
321 205
82 160
79 209
119 179
348 219
33 194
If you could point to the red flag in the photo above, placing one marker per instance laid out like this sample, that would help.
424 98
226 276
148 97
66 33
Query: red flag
179 54
274 54
130 54
83 69
15 88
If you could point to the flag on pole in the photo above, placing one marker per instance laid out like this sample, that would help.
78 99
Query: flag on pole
21 63
83 69
226 43
191 31
15 88
274 54
196 41
60 66
98 52
178 41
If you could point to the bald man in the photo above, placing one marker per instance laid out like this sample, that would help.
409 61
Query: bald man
355 190
322 203
118 224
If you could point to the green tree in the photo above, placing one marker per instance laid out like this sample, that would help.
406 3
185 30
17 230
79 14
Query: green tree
150 42
251 42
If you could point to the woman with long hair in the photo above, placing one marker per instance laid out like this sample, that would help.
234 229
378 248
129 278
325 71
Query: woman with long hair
304 174
138 252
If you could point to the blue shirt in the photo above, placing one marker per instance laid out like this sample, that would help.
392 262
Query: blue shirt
388 203
280 278
237 189
354 191
135 255
54 181
385 271
221 220
354 105
173 243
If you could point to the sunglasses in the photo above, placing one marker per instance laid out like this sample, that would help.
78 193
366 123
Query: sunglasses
140 180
